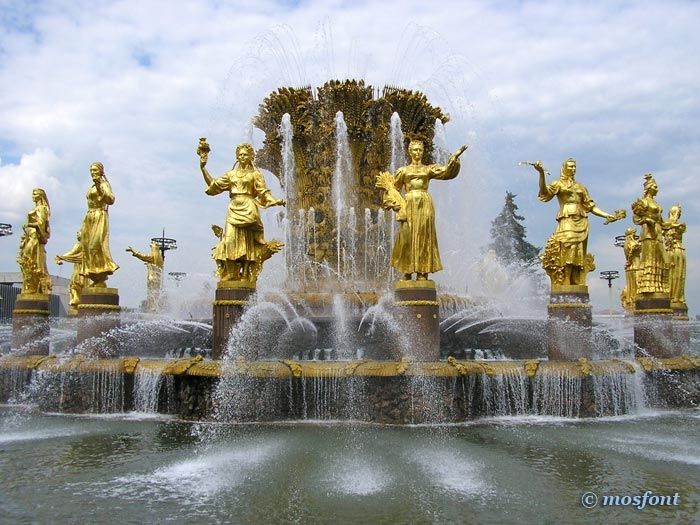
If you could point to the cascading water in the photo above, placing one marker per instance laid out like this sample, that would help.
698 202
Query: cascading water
343 200
293 243
441 153
396 139
556 392
147 386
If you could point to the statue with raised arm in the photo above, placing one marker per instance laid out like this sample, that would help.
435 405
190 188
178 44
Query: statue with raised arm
77 280
632 250
416 247
32 246
566 259
242 246
673 236
97 263
154 274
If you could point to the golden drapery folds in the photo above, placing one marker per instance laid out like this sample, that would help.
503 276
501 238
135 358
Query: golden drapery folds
97 262
566 259
632 250
154 274
652 276
416 246
32 246
673 237
242 247
78 281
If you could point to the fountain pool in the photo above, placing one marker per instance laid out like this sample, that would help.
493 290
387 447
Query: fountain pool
149 469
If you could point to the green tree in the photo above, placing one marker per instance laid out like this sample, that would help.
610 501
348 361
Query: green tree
508 235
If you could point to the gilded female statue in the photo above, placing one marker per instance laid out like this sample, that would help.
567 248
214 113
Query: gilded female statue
673 235
652 276
566 259
154 274
77 279
242 244
32 246
97 263
416 246
632 250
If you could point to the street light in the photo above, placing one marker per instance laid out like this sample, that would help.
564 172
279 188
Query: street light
164 243
610 276
178 276
620 241
5 229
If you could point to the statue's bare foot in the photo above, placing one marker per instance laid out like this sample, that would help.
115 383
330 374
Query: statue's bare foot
421 277
407 276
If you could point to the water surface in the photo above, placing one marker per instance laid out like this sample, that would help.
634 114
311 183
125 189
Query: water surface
130 468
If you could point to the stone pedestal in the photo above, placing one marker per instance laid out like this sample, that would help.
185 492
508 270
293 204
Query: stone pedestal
30 324
230 301
681 331
416 307
569 322
653 329
98 314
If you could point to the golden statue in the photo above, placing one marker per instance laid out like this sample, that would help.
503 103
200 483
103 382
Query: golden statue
673 235
652 276
632 249
32 246
565 258
94 234
154 274
416 246
77 280
241 243
254 270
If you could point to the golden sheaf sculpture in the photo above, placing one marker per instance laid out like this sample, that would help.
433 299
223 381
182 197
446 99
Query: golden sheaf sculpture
416 247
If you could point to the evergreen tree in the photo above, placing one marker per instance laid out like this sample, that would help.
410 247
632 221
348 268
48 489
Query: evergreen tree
508 235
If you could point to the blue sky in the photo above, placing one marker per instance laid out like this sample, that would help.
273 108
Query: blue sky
134 84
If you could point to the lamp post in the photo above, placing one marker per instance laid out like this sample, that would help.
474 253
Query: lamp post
610 276
5 229
178 276
620 241
164 243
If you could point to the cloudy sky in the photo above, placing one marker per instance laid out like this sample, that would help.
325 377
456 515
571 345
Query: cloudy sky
135 83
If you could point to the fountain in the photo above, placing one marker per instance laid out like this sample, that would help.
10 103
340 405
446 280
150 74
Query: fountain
480 406
358 330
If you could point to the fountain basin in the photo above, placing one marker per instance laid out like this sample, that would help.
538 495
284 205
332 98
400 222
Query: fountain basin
390 392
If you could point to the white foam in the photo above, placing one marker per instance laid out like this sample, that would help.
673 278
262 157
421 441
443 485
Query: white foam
358 477
37 435
452 472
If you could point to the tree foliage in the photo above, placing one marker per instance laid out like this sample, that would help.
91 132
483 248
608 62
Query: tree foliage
508 235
